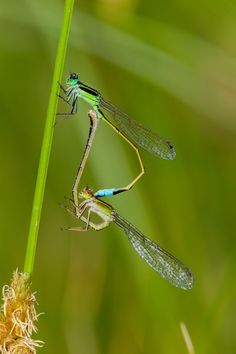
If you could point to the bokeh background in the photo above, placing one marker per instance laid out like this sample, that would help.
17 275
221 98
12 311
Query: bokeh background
172 66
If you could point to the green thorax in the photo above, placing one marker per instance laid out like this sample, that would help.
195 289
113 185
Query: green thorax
87 93
91 96
103 207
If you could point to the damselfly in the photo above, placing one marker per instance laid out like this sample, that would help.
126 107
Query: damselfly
128 128
156 257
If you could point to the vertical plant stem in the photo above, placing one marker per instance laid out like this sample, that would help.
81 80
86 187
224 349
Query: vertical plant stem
47 140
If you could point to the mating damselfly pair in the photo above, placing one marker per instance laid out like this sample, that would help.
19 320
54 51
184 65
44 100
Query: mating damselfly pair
136 135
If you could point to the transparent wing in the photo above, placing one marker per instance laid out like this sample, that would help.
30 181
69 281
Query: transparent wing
139 135
156 257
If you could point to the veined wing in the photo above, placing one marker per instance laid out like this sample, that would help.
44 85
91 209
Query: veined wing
156 257
139 135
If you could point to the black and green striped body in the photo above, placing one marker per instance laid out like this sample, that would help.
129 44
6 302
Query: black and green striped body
131 129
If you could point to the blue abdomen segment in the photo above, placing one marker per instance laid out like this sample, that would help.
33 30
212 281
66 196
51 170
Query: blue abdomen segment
106 192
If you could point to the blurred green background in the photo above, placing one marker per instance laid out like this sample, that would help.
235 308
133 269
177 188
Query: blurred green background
172 66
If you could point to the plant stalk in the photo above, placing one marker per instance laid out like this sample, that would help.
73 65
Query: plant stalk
47 139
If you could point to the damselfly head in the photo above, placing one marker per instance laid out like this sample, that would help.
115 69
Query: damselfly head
86 193
73 79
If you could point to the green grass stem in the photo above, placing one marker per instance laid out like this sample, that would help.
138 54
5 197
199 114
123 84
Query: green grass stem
47 140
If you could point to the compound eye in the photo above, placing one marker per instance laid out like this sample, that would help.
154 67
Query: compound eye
89 190
73 76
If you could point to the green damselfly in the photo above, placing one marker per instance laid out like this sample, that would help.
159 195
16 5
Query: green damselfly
156 257
128 128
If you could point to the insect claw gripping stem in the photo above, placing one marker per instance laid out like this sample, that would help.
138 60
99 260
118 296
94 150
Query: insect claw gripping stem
66 114
61 87
63 98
